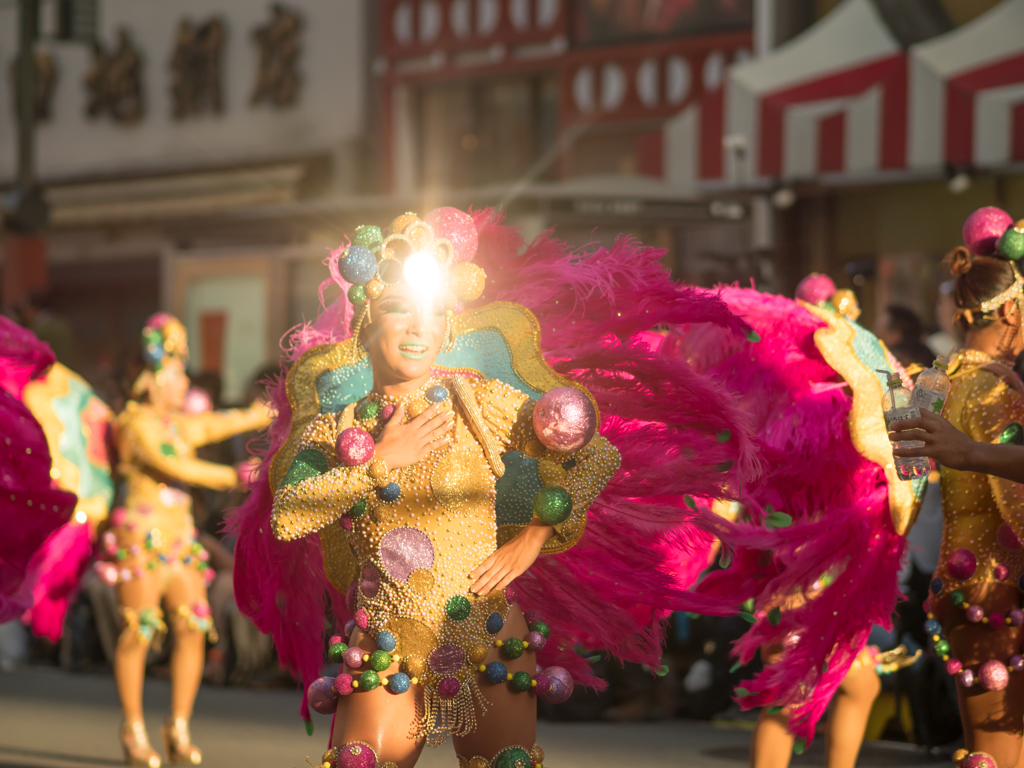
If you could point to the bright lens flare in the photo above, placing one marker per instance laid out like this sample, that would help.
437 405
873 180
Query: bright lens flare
423 274
80 516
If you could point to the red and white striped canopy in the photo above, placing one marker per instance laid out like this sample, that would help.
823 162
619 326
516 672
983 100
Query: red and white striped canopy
833 100
967 93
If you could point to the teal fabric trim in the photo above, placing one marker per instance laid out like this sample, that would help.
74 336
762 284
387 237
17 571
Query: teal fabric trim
93 480
516 489
308 463
484 350
869 351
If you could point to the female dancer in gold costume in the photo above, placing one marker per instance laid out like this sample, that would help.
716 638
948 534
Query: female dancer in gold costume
406 476
152 553
975 616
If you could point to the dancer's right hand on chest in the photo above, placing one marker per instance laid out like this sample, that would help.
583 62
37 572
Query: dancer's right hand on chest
404 444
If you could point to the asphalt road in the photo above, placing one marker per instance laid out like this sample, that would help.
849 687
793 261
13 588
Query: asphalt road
51 719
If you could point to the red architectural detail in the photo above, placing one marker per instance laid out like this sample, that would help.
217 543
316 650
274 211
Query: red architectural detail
712 129
650 153
831 141
960 92
461 29
890 73
1017 139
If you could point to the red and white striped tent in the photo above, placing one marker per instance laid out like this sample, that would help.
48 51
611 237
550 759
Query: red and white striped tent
832 100
967 93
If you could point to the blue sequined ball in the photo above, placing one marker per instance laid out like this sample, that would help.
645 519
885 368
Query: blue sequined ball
496 672
495 623
359 265
399 682
386 641
437 394
389 493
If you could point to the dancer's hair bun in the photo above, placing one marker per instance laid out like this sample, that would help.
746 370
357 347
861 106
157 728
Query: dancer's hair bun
960 261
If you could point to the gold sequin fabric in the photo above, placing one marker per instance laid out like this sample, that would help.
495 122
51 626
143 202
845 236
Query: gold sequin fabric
982 513
413 556
157 459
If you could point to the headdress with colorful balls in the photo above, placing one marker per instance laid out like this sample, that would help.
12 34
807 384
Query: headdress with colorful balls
163 338
991 231
433 254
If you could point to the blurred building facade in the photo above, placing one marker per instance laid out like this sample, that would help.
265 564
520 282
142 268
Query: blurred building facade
204 155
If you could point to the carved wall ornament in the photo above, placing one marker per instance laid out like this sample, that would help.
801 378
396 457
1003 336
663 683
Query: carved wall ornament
196 68
114 81
278 80
46 84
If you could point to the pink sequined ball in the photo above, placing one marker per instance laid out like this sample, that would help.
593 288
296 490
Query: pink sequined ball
354 447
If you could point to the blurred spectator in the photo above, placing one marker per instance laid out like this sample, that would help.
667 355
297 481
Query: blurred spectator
897 325
13 645
913 355
944 340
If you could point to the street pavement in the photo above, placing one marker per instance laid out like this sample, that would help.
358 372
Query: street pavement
52 719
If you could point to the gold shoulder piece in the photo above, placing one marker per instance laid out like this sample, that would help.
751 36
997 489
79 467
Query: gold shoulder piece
867 426
476 422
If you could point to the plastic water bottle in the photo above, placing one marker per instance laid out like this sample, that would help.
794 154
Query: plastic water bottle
896 407
932 387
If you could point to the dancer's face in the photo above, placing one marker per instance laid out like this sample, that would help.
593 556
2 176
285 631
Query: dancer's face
404 336
168 386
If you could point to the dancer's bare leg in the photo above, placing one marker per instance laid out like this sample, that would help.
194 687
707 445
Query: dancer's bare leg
378 718
185 590
993 720
130 656
511 718
851 708
771 744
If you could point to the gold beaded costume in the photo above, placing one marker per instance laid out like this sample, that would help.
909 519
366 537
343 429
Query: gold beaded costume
984 514
413 556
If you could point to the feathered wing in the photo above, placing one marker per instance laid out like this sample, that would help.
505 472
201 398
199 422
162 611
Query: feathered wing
809 424
30 509
679 433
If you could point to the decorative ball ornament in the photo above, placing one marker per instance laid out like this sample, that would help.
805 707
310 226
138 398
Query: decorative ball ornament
358 265
558 686
1000 572
521 682
343 684
552 505
496 672
321 695
1011 244
357 510
368 410
1006 538
1017 663
336 653
374 288
932 627
983 229
564 419
414 666
357 295
380 660
966 678
467 281
993 675
437 393
512 757
478 653
542 627
956 597
953 667
512 648
399 682
1016 617
942 646
962 564
449 687
354 447
390 493
369 680
456 227
1013 433
975 614
815 289
536 640
386 641
356 755
458 608
978 760
368 236
353 658
494 623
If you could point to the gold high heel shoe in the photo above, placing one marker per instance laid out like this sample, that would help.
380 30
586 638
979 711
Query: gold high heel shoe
137 750
178 742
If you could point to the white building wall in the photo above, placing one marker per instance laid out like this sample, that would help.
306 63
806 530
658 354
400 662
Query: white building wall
329 111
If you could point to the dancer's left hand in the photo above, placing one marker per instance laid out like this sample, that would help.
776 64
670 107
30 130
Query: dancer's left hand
511 560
